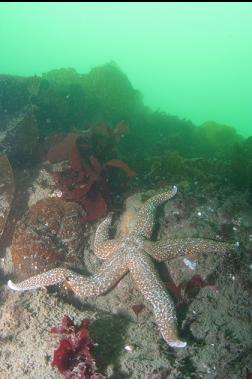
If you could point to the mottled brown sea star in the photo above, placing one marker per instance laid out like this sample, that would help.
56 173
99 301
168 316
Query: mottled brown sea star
133 253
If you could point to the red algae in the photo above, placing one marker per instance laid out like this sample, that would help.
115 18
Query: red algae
74 356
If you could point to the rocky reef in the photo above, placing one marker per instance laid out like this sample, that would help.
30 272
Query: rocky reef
78 146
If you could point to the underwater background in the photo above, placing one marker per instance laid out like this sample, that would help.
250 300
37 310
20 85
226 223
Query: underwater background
102 107
191 60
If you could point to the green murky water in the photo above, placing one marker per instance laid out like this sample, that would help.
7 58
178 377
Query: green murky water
191 60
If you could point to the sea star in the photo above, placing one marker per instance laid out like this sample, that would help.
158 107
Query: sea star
133 253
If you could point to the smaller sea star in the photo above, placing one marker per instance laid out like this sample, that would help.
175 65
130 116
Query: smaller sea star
133 253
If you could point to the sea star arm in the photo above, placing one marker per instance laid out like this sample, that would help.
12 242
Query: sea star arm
146 216
109 274
104 248
146 278
44 279
168 249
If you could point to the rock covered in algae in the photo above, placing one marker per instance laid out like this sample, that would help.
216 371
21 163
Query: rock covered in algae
18 134
18 124
6 190
48 235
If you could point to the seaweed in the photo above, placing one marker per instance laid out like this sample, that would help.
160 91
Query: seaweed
74 356
86 181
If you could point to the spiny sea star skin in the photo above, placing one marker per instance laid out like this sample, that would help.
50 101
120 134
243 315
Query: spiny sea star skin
164 251
103 247
146 216
133 253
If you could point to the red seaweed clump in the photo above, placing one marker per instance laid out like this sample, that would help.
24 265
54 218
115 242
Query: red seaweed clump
196 282
86 179
74 356
82 183
137 308
185 292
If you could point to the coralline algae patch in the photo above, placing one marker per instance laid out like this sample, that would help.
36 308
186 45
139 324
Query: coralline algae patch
48 235
6 190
